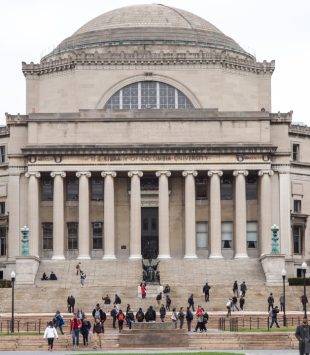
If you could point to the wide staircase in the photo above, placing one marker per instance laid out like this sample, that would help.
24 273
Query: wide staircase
122 277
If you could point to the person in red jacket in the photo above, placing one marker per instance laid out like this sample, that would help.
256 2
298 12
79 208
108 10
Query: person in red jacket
75 326
121 318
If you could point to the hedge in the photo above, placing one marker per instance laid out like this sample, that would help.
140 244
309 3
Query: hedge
5 283
298 281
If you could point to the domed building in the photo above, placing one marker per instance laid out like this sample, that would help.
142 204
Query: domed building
148 134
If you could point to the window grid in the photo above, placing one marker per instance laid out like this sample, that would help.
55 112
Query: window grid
148 95
72 235
97 235
251 235
2 154
47 188
227 235
3 241
202 235
47 236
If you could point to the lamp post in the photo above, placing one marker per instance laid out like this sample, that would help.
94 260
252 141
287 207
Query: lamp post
284 301
304 270
12 319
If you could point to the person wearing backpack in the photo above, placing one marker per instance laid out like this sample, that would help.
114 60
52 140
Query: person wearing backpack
162 313
206 291
114 313
121 318
140 315
159 298
98 331
85 328
189 318
181 317
99 313
59 321
191 302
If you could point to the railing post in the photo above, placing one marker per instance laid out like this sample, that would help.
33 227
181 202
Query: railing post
40 326
268 324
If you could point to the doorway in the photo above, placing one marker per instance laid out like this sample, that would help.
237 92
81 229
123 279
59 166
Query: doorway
149 232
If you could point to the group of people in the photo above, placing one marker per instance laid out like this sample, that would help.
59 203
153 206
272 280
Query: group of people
232 303
52 276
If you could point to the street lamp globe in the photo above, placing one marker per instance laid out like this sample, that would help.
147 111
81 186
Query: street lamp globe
13 275
304 266
283 273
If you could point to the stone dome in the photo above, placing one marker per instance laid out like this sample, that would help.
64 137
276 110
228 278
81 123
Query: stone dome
152 24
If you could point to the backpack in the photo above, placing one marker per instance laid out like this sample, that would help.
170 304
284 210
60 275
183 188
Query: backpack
158 297
97 313
139 316
121 316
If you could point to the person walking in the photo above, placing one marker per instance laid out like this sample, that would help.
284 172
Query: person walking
162 313
130 318
114 313
59 321
168 303
281 301
270 301
174 318
78 268
159 298
235 289
85 328
99 313
242 302
98 330
304 301
189 318
206 291
82 278
302 334
191 302
181 317
75 325
71 304
274 314
106 303
117 300
50 333
234 302
228 307
243 288
120 318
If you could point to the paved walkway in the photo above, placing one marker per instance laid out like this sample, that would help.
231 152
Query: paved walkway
246 352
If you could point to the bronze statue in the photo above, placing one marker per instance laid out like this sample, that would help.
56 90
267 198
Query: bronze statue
150 272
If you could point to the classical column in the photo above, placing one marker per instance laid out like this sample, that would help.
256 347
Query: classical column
265 211
135 215
215 219
83 214
190 214
33 212
109 221
163 211
58 215
13 209
240 214
285 213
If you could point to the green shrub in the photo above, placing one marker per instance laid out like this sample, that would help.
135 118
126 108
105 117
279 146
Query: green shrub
298 281
5 283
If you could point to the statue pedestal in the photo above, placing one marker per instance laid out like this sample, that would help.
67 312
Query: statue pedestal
273 264
26 269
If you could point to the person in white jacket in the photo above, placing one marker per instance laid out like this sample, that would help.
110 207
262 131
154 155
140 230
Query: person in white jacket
50 333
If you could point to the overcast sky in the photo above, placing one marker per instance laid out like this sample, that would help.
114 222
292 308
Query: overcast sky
270 29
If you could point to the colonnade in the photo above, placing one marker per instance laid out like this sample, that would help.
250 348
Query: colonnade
215 249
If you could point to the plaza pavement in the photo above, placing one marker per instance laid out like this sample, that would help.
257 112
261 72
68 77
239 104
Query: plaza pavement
246 352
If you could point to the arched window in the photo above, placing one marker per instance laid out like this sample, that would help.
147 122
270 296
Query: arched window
148 95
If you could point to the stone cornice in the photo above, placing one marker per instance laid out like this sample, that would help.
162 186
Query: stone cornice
4 131
114 60
150 149
299 130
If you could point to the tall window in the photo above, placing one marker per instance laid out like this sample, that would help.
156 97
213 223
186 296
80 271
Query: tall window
97 235
226 187
72 188
2 207
297 206
251 187
3 241
295 152
47 233
148 95
298 239
202 235
96 188
227 235
251 235
2 154
201 188
47 188
72 235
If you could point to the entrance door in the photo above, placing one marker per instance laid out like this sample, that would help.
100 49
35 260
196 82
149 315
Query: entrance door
149 232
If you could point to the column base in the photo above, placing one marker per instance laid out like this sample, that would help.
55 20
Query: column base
135 257
241 256
83 257
163 256
58 257
190 256
108 257
215 256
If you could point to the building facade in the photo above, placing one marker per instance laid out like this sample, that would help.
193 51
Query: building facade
152 138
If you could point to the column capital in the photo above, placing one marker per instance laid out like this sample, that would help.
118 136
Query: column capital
267 171
58 173
85 173
189 172
163 172
240 172
108 173
213 172
32 173
132 173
